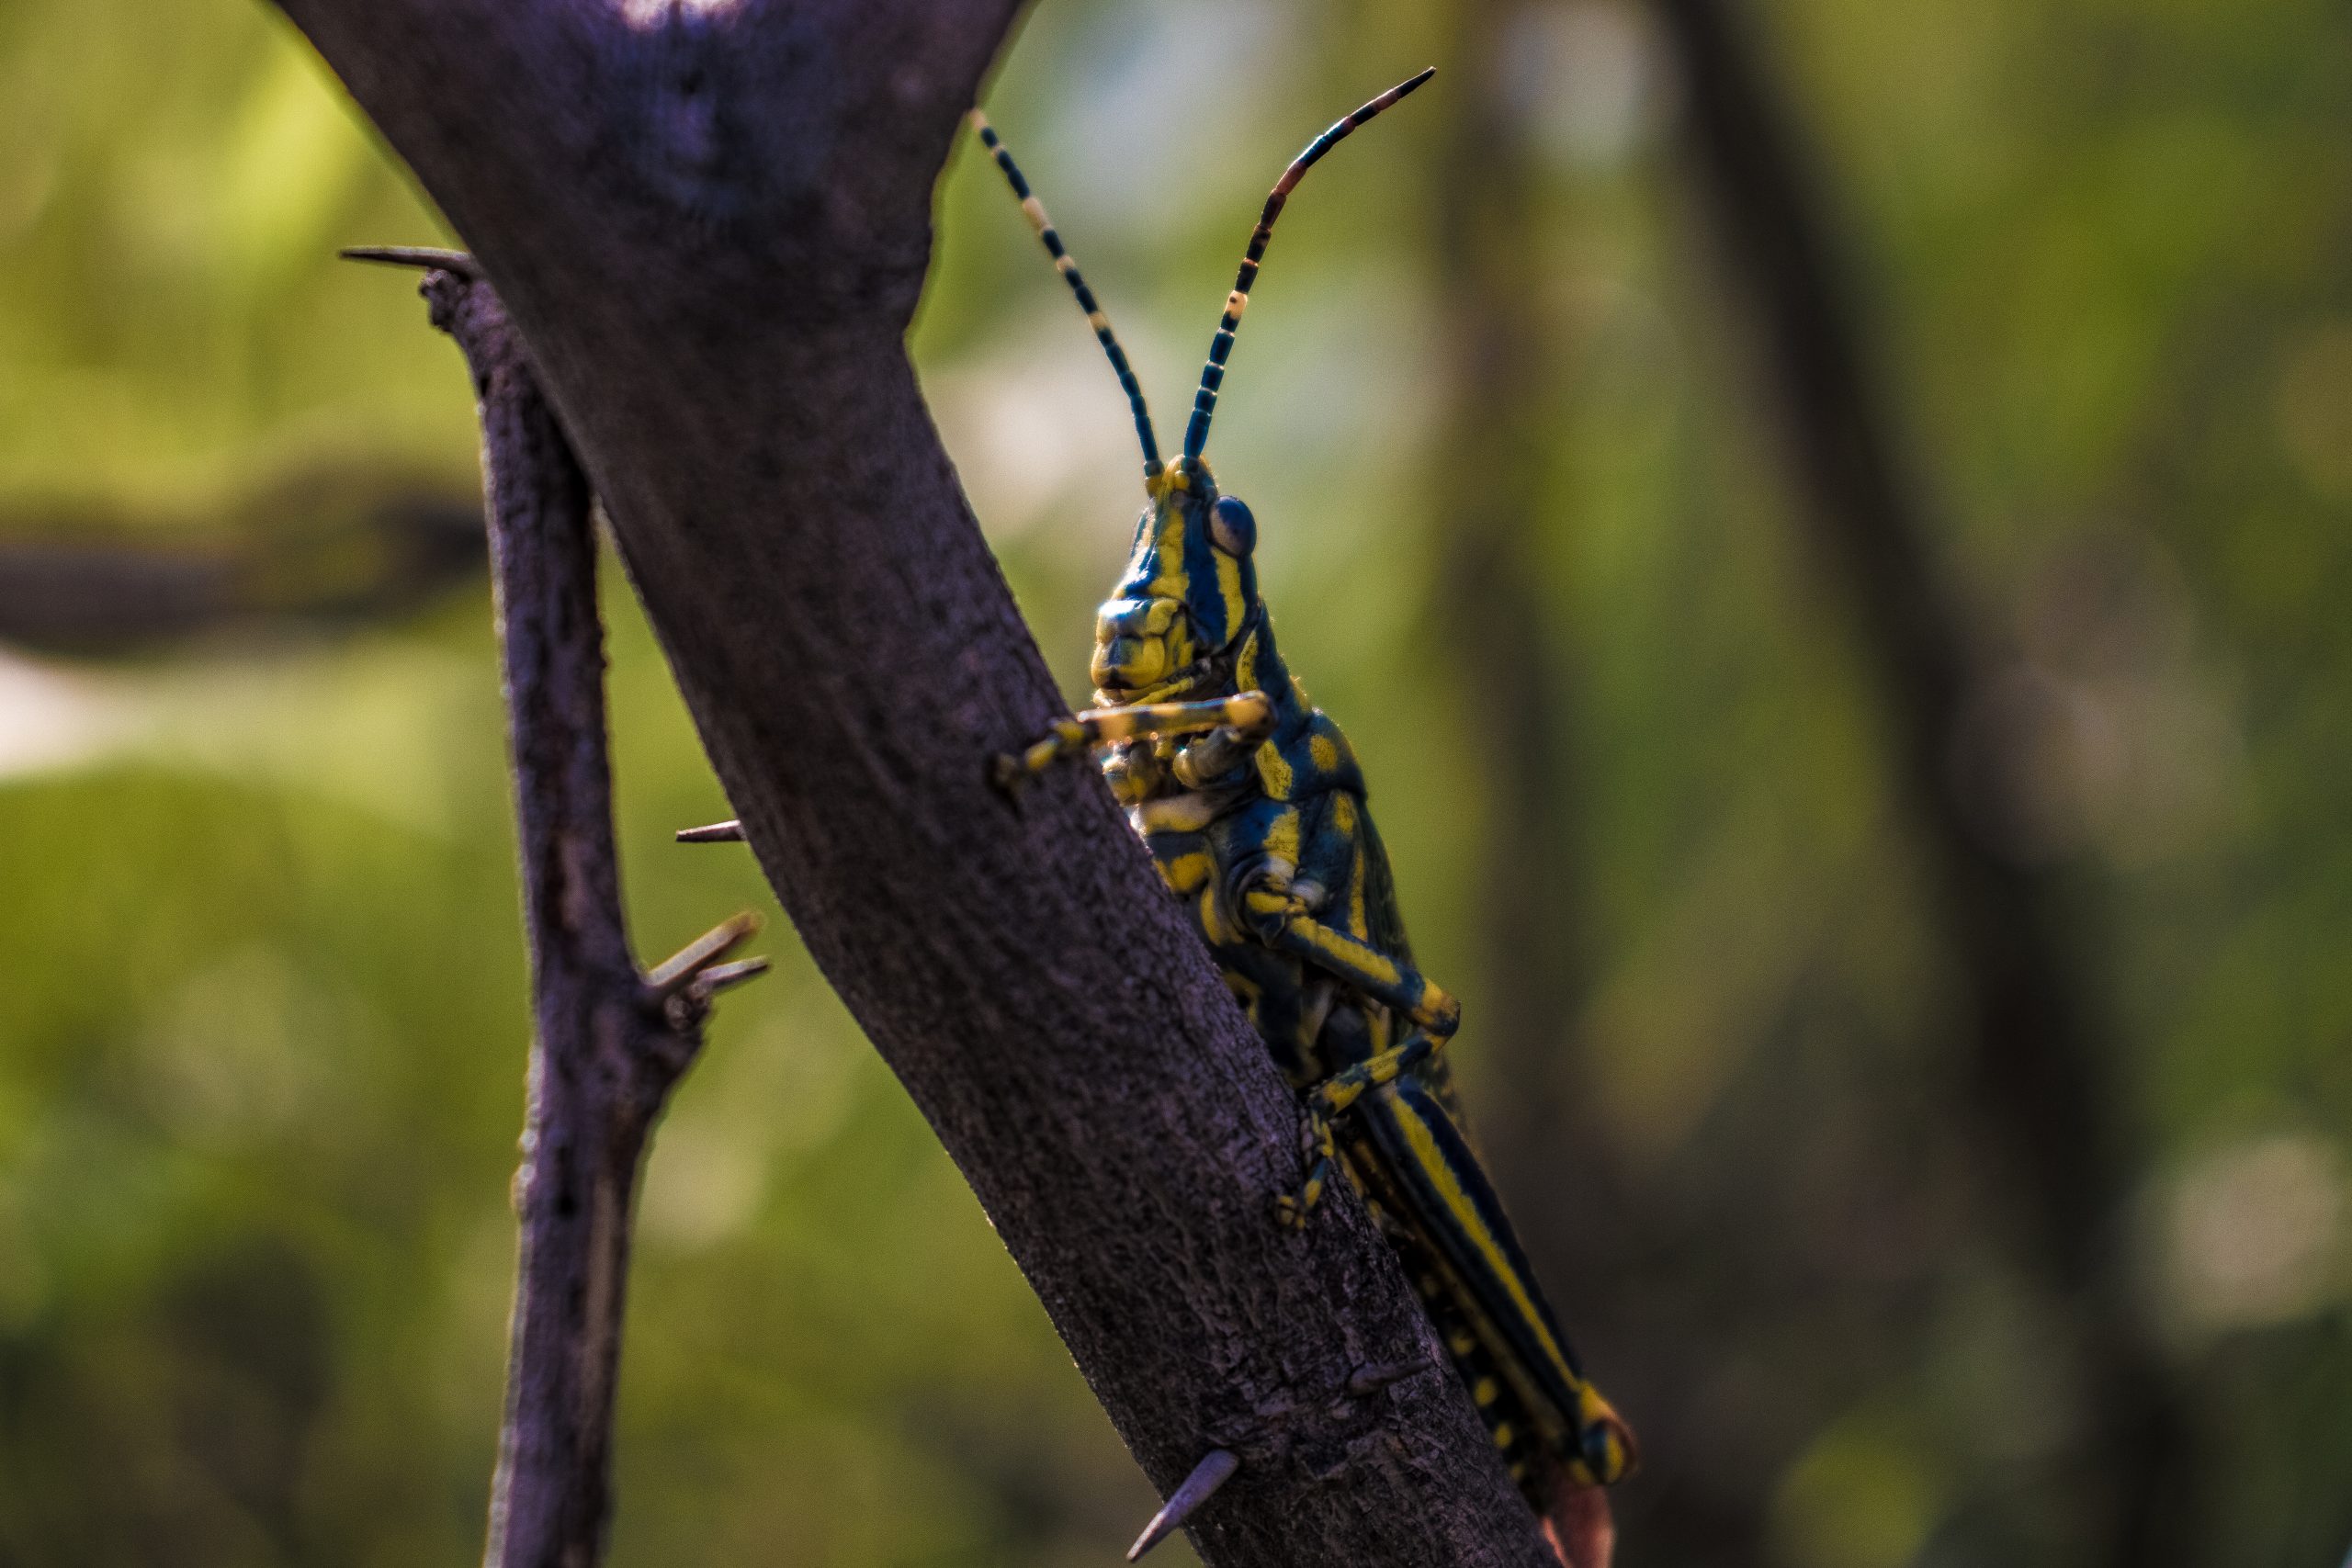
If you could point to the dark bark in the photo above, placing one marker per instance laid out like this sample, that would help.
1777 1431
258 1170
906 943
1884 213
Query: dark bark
608 1044
711 224
2040 1051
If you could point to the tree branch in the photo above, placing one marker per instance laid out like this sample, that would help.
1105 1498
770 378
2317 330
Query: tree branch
711 223
608 1045
2040 1055
332 548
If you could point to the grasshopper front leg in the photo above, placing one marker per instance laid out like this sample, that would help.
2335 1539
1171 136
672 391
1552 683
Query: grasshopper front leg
1249 714
1283 920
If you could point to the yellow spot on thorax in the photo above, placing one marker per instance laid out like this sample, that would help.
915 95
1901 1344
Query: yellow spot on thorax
1326 755
1282 838
1273 771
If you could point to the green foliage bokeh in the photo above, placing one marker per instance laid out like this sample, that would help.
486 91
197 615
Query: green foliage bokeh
262 993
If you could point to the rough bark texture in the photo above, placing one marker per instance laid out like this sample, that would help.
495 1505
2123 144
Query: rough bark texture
710 224
2040 1050
608 1045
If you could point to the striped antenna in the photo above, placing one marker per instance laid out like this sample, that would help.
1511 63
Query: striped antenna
1196 434
1069 269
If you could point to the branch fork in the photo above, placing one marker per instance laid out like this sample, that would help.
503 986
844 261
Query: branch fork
609 1043
710 225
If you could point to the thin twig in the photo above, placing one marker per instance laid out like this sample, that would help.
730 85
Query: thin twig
609 1043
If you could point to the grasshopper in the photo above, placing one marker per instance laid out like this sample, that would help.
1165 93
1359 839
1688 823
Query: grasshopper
1254 807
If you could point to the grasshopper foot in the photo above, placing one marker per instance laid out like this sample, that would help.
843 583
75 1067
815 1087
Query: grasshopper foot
1315 1135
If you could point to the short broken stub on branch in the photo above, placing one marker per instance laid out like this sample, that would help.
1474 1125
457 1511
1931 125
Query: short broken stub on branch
610 1043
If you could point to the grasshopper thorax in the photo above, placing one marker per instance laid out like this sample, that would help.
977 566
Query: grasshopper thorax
1189 595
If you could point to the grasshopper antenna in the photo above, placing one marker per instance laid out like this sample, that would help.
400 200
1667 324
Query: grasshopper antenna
1196 434
1068 267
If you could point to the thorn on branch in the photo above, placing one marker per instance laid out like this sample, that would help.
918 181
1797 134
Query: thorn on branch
425 257
694 963
726 977
1217 1468
713 834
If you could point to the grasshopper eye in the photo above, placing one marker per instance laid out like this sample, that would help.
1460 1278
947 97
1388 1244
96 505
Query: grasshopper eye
1235 531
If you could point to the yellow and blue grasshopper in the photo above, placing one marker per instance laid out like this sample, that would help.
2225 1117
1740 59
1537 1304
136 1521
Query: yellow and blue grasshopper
1254 807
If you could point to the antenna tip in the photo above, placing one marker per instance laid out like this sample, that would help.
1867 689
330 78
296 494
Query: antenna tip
1426 72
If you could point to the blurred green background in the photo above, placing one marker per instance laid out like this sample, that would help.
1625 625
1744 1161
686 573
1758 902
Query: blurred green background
261 989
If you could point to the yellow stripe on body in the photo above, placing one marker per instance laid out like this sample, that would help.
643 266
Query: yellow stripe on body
1228 583
1469 1223
1171 583
1556 1428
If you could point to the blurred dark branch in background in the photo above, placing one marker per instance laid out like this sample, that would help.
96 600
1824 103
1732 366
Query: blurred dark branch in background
328 550
1597 1244
2040 1047
1490 604
609 1045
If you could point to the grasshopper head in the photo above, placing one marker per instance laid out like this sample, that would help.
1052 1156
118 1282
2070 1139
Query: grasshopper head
1188 596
